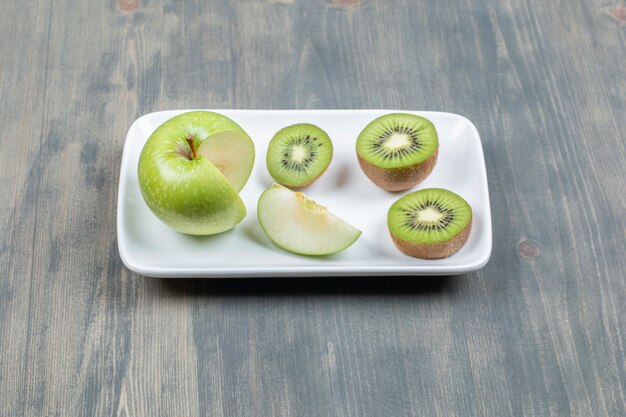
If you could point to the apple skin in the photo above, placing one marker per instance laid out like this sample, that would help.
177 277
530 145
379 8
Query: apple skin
189 194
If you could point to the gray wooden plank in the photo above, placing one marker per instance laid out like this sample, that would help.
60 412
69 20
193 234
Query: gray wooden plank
539 331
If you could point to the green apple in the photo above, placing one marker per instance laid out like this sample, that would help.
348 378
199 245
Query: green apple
191 169
300 225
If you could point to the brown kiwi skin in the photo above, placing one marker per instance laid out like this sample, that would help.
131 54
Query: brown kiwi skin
399 179
434 250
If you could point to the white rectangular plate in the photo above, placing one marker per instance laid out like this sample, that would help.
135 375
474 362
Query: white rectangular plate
150 248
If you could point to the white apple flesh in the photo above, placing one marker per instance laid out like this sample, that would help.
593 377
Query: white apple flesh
300 225
182 187
232 154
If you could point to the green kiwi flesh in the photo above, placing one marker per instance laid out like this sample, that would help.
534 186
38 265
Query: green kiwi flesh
432 223
396 151
297 155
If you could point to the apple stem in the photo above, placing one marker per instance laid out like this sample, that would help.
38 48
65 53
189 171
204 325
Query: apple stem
192 145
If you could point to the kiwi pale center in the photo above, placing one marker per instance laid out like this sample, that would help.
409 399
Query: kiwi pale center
397 141
429 216
299 153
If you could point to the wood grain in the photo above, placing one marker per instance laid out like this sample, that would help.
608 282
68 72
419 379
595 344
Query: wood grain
539 331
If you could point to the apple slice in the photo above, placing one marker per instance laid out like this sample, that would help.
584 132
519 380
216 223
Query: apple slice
232 153
300 225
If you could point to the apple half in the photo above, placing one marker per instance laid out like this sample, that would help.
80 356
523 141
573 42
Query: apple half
191 170
298 224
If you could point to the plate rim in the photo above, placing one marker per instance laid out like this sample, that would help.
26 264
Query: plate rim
300 271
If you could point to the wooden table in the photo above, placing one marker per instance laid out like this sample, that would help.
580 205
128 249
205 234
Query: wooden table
540 331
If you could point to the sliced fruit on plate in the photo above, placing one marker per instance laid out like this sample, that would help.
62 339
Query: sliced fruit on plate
300 225
398 150
299 154
432 223
191 169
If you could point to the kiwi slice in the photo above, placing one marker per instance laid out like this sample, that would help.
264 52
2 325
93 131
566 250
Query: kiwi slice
430 224
398 150
297 155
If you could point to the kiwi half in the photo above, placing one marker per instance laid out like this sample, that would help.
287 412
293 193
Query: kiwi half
297 155
398 150
430 224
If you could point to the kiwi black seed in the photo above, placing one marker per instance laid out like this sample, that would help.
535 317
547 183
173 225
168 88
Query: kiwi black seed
297 155
430 224
397 151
